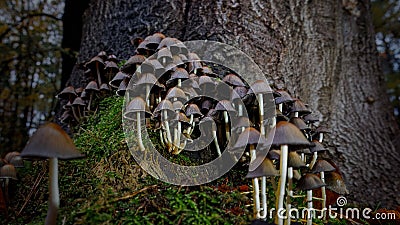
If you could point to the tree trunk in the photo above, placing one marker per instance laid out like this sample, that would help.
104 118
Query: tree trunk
321 51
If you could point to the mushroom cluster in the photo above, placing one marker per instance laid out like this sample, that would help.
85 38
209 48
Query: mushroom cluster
179 96
8 171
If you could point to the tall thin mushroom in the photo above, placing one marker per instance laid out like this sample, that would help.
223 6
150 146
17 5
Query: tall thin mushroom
53 143
286 134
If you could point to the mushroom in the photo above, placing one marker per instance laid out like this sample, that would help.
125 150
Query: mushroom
166 109
260 88
226 106
286 134
67 93
132 64
318 147
177 76
192 111
308 182
252 138
133 110
118 78
264 170
204 123
322 166
77 108
294 162
53 143
283 98
92 88
96 64
7 172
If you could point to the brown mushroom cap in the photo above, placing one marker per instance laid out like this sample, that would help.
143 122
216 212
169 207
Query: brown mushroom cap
300 107
137 104
225 105
283 98
132 63
259 87
322 166
274 154
310 181
335 183
78 101
317 147
118 78
288 134
294 160
92 87
299 123
193 109
233 80
67 93
250 136
11 155
265 169
51 141
176 92
8 171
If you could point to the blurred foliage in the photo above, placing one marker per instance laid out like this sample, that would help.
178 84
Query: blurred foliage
386 20
30 63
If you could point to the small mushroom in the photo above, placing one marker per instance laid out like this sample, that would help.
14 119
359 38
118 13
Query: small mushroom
226 106
322 166
118 78
166 109
53 143
92 88
134 109
97 64
307 183
7 172
286 134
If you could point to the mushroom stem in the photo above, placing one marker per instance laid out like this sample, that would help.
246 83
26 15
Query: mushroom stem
256 188
290 194
310 207
148 95
169 139
321 137
240 109
139 132
280 106
179 82
98 73
282 181
296 114
264 197
313 160
214 132
161 137
261 110
323 193
54 196
191 122
227 131
77 118
90 100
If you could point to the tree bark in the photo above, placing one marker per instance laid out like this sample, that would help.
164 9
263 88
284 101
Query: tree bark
321 51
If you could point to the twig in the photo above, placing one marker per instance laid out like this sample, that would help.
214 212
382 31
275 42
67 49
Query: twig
35 185
134 193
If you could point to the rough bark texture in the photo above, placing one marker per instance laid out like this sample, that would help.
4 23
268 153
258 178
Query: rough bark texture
321 51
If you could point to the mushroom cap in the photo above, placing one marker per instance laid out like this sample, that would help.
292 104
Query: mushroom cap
111 66
311 118
300 107
177 105
153 41
180 73
164 105
288 134
51 141
317 147
322 129
147 78
322 166
193 109
283 98
11 155
168 41
194 65
335 183
97 60
130 65
8 171
92 87
17 161
164 53
242 121
193 56
67 93
260 87
176 92
104 87
274 154
122 88
118 78
294 160
299 123
206 105
137 104
206 81
112 58
238 93
78 101
265 169
310 181
233 80
250 136
225 105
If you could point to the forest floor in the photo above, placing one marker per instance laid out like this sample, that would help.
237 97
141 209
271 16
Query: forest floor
108 187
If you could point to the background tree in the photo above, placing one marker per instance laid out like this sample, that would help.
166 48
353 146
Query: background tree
321 51
30 57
